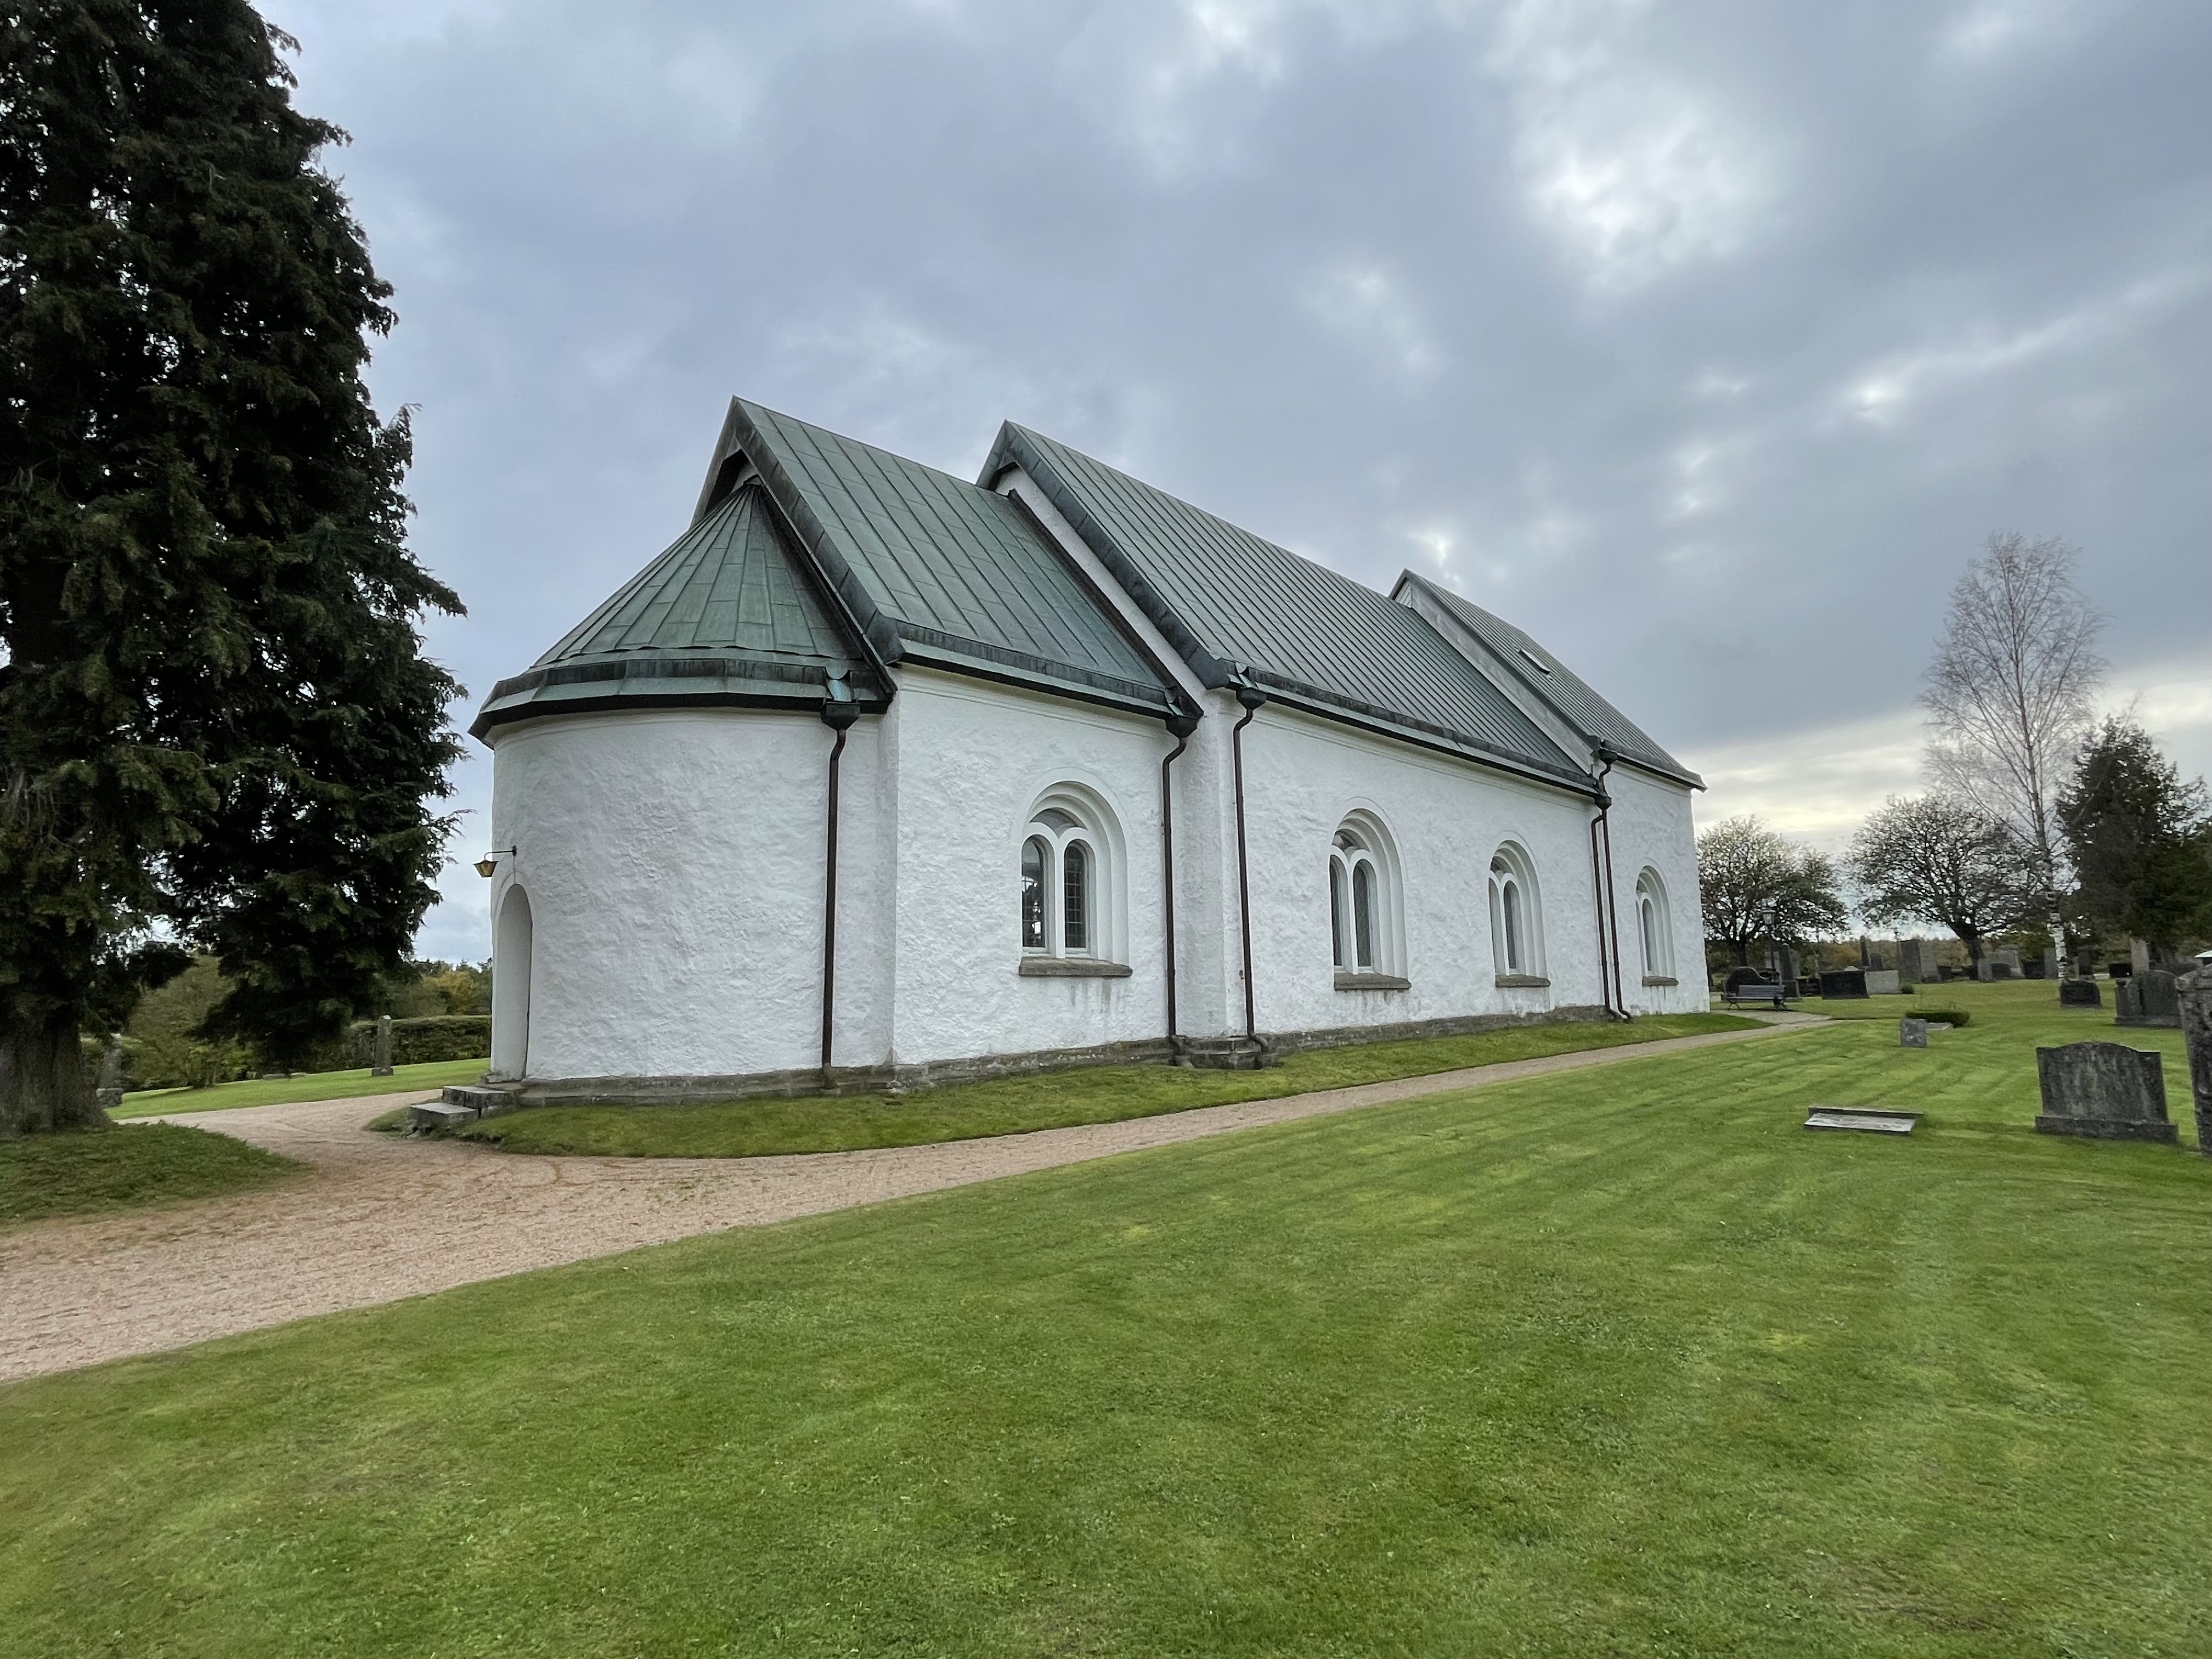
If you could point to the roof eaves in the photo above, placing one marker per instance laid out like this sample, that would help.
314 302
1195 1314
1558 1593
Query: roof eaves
704 680
1349 711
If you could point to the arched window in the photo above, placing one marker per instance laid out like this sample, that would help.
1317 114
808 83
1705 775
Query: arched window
1068 857
1654 928
1516 935
1363 901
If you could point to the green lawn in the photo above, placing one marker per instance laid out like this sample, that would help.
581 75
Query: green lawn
43 1176
1051 1100
1618 1361
312 1086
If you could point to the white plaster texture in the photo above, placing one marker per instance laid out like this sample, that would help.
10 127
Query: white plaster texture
673 861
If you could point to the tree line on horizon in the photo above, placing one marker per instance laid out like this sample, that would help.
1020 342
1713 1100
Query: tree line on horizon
2040 820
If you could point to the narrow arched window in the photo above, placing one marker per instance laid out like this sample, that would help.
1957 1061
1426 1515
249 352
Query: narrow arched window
1517 947
1336 910
1075 898
1657 929
1362 912
1036 857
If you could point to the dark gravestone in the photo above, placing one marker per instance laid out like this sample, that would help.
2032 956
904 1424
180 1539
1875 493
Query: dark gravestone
2085 966
2120 969
2148 999
2080 993
1913 1033
2104 1091
1843 982
2033 969
2194 993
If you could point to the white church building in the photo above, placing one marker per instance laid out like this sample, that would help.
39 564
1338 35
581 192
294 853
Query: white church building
880 778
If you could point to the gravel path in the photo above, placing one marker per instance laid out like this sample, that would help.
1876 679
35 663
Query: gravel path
381 1216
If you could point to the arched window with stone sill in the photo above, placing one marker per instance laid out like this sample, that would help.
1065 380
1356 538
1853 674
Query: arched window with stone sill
1655 928
1072 897
1366 907
1517 918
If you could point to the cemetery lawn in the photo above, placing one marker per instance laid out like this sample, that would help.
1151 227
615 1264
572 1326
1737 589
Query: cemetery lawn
83 1170
1049 1100
307 1086
1612 1362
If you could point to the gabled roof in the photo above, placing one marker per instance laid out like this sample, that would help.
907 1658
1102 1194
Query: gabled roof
731 615
1559 687
936 570
1240 608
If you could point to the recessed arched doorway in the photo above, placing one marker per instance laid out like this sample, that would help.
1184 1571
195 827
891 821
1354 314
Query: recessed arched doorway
510 986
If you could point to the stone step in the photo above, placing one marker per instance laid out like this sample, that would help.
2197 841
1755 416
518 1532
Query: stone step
483 1099
433 1115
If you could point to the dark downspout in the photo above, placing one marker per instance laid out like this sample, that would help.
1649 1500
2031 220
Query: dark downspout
1612 926
1182 726
838 714
1252 697
1597 909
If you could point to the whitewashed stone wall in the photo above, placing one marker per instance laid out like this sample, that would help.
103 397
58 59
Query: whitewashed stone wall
1652 829
674 866
1445 818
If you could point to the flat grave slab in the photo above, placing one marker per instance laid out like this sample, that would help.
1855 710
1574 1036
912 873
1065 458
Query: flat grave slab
1875 1120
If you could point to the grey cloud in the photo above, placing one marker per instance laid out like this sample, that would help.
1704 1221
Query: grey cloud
1705 342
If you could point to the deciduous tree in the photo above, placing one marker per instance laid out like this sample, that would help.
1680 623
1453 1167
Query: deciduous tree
2011 690
1759 887
216 722
1942 859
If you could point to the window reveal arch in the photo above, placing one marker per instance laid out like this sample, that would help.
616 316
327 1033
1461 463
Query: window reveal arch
1365 923
1065 875
1516 939
1654 927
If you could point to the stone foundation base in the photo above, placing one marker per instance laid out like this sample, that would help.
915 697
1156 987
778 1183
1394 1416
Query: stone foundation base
1221 1052
2107 1128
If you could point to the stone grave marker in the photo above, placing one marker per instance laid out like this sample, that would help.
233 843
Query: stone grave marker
110 1092
2193 992
1916 962
382 1066
2004 962
1911 1033
1874 1120
2148 999
2080 993
2105 1091
1843 982
1883 982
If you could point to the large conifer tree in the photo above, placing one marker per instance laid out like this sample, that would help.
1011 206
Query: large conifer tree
216 719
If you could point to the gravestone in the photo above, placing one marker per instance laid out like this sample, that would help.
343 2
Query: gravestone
1843 982
382 1067
2193 992
2086 965
2120 969
1984 970
2148 999
2034 968
2139 955
2103 1090
110 1092
1883 982
1916 962
2005 963
1912 1034
2080 993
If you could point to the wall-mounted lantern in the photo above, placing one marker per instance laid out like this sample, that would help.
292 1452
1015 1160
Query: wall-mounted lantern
488 866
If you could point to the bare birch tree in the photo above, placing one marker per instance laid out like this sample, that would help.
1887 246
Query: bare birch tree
2011 691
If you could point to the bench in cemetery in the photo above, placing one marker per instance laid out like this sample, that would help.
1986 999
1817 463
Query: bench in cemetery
1769 994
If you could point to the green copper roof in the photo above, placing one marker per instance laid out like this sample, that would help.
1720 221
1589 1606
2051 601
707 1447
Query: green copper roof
1230 601
939 571
1556 684
730 614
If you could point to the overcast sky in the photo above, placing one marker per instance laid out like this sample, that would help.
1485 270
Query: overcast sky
1706 342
